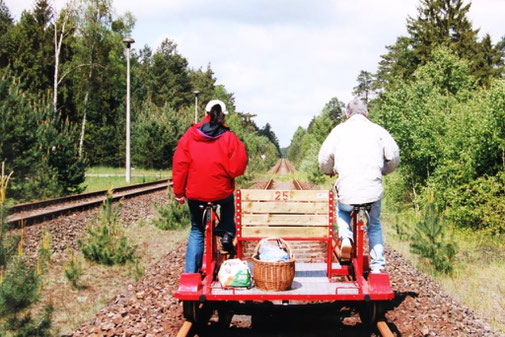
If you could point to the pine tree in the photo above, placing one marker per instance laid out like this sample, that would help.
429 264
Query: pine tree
105 242
442 22
31 55
19 282
41 152
488 62
439 22
171 215
203 81
268 132
169 78
397 65
364 89
6 23
429 242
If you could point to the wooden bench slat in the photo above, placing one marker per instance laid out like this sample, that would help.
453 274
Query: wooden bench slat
284 219
285 195
285 232
284 207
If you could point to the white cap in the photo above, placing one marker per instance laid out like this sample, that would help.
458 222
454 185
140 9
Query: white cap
213 102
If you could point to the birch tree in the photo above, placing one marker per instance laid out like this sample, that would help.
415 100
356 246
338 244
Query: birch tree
59 35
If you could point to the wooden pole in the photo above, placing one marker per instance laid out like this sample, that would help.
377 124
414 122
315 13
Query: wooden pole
384 329
183 332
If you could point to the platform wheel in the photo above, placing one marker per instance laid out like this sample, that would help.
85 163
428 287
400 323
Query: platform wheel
369 312
261 321
224 318
196 312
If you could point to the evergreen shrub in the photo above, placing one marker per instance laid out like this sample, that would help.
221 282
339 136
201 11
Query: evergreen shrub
20 282
41 152
171 216
428 241
105 241
73 270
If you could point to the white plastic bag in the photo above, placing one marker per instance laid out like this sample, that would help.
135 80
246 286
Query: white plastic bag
234 273
270 251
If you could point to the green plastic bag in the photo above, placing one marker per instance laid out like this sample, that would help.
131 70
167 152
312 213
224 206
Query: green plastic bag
234 273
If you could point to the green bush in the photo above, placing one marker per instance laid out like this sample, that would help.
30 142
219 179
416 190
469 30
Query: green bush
171 215
479 204
45 250
41 152
73 270
20 282
137 269
451 136
105 242
19 288
155 134
428 241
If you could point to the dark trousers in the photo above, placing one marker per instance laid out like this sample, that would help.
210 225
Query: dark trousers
194 252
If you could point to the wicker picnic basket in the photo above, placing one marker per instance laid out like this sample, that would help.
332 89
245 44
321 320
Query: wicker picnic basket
274 275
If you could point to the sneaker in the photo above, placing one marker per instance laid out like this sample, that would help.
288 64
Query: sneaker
345 248
227 243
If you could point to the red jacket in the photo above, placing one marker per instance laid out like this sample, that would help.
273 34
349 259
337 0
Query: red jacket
205 165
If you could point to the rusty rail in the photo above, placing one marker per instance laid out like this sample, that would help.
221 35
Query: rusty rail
29 213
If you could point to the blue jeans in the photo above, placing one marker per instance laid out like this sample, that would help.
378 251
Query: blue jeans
194 251
374 232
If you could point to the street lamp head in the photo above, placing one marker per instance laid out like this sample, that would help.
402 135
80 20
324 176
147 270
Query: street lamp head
128 41
196 92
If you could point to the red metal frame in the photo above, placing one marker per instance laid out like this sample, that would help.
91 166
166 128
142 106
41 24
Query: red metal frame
374 287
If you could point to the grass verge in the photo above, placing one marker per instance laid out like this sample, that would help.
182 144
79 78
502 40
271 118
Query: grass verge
479 271
103 178
100 283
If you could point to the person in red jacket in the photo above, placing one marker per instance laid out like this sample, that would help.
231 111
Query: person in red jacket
206 162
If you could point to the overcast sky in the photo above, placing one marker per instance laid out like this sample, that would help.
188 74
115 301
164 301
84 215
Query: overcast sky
283 59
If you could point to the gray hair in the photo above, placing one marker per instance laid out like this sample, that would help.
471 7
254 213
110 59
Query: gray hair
356 106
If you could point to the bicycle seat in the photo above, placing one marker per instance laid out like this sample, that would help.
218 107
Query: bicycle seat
367 206
208 204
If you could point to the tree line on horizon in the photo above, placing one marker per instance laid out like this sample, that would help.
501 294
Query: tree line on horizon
63 94
440 92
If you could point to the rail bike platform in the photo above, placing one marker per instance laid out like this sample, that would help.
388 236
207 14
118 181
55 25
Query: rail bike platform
296 216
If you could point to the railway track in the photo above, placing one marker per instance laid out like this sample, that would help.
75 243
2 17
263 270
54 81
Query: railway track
33 212
147 307
283 167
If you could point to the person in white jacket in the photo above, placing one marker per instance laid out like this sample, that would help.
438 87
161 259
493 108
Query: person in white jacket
360 152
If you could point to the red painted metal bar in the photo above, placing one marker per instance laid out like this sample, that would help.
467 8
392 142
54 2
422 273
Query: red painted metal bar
237 296
257 238
342 271
329 255
360 243
210 242
238 221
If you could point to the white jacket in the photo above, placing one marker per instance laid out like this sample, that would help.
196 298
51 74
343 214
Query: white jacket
360 152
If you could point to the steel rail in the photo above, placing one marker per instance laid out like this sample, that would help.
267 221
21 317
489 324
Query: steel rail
297 185
29 213
275 170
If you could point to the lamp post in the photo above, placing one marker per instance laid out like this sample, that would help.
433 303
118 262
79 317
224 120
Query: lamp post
128 41
196 92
